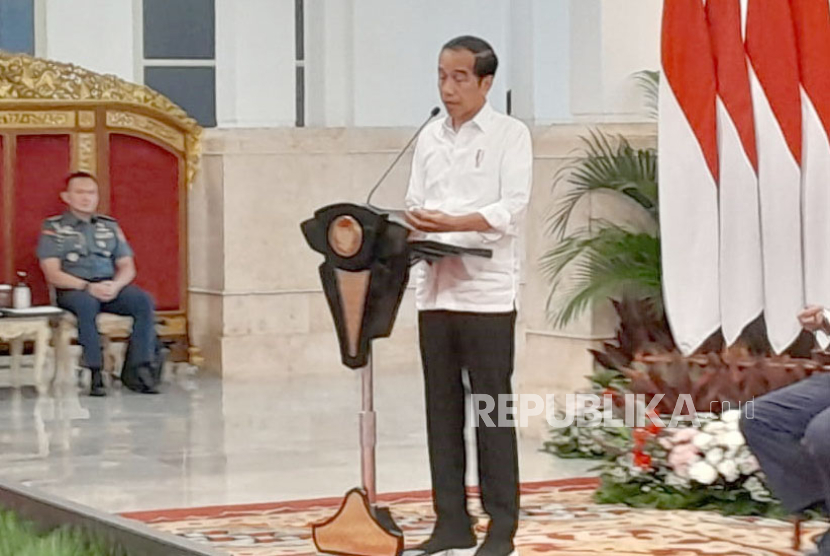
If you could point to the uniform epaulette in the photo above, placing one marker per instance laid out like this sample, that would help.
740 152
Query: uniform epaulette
54 218
106 217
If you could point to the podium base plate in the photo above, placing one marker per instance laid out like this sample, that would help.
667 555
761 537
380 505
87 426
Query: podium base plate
358 530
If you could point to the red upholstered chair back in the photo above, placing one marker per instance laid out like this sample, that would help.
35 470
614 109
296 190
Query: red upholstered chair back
55 119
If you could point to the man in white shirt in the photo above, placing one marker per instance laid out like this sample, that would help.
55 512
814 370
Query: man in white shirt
470 185
788 430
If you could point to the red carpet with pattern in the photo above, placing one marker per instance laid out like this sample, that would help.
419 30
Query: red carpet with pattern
558 517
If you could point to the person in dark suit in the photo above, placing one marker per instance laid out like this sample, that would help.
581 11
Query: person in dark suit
788 430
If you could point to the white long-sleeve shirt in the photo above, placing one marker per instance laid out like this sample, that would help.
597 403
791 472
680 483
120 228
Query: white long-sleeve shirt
484 167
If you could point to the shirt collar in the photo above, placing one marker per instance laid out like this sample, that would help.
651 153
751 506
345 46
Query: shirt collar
72 220
484 116
482 119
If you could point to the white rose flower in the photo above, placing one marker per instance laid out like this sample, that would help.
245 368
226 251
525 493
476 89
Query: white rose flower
757 490
731 416
703 440
703 473
672 479
619 474
714 428
748 464
729 470
733 439
714 456
753 484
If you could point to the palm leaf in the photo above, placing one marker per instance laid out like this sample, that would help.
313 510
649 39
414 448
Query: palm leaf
649 83
610 263
604 164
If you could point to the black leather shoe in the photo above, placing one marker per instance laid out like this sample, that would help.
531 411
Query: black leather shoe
496 546
145 377
822 546
97 384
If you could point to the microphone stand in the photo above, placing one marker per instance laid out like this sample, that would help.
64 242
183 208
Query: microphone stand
368 417
360 527
368 433
432 113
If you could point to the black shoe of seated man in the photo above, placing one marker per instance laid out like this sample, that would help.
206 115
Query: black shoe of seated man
496 546
97 384
145 377
823 545
441 540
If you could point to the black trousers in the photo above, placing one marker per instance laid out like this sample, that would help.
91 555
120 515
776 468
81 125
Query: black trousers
788 430
483 344
132 301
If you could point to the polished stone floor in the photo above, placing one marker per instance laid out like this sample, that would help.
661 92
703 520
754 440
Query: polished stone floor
205 441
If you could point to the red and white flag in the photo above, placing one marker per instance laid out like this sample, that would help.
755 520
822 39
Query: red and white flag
688 171
774 78
741 263
812 27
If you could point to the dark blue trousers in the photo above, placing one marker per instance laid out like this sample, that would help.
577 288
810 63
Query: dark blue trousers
132 301
788 430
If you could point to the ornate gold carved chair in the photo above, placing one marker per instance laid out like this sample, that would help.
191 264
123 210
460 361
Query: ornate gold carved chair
56 118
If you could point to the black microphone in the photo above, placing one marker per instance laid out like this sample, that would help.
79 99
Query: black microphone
434 112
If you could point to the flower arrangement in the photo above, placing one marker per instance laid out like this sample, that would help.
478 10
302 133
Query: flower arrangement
577 441
707 467
584 442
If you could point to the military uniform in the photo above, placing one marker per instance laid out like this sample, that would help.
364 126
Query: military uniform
89 250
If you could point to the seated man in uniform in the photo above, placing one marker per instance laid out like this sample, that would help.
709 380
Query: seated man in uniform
86 258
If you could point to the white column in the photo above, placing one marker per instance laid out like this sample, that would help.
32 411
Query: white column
610 41
329 26
551 61
522 76
255 63
631 43
586 57
396 47
540 60
94 34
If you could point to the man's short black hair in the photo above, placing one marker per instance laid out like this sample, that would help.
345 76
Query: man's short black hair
79 174
486 60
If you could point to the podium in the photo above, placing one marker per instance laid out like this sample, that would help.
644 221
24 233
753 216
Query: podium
364 275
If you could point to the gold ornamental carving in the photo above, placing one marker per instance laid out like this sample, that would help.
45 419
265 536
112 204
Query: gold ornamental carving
85 153
25 78
86 119
150 126
37 119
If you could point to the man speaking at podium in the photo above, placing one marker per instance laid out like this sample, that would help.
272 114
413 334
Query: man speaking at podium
470 185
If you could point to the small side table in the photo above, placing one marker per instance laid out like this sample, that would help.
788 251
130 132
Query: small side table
19 325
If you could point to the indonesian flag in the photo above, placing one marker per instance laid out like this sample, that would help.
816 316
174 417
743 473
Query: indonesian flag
688 171
741 264
771 46
812 26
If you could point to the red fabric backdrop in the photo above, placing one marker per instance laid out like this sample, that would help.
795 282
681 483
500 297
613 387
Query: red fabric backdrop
144 197
42 165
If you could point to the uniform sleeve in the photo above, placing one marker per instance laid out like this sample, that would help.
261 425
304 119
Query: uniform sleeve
515 179
47 245
415 192
122 247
